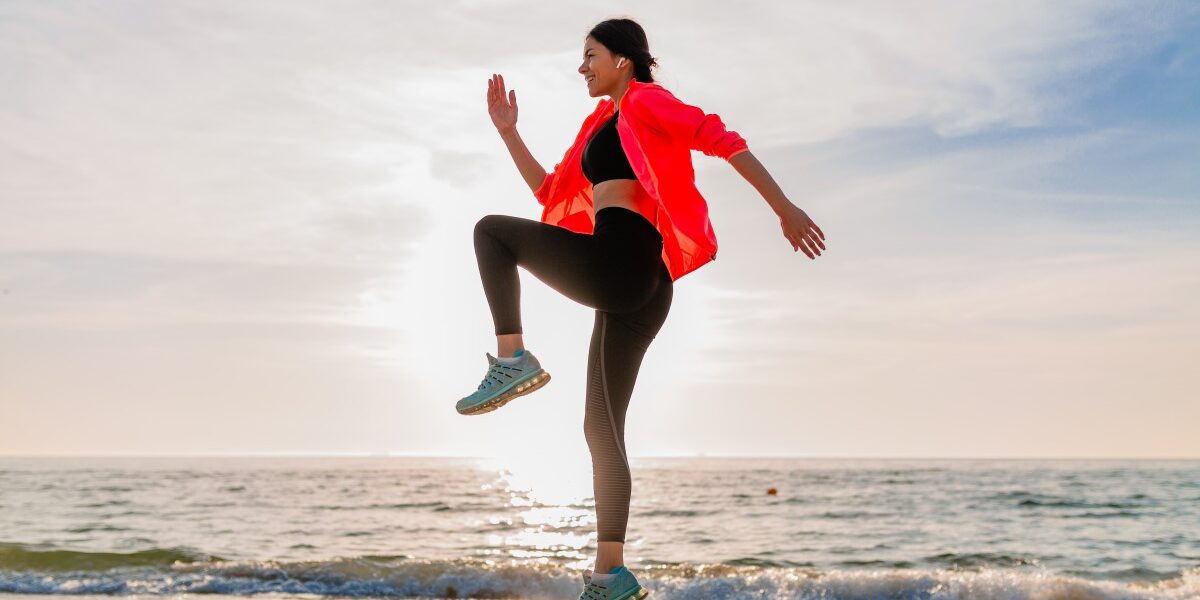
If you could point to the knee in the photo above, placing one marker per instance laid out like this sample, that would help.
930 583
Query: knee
486 224
596 431
483 227
589 427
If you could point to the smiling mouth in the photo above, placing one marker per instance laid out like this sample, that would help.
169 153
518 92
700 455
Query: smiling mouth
590 79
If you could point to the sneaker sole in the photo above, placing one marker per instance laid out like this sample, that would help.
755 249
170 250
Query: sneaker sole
535 383
637 594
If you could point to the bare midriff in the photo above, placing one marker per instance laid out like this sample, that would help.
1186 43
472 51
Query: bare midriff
626 193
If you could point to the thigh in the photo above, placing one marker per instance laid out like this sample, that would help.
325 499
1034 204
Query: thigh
618 345
644 322
569 262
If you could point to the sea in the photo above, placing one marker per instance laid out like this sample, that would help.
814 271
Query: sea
699 528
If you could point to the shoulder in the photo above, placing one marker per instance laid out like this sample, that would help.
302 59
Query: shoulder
649 102
647 94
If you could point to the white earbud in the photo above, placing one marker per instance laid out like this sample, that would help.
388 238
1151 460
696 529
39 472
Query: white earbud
620 62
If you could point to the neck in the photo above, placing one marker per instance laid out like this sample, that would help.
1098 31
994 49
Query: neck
620 93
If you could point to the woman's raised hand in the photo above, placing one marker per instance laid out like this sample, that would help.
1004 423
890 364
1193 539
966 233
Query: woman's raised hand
501 107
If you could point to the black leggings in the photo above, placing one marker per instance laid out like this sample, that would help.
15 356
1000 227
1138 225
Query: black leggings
619 271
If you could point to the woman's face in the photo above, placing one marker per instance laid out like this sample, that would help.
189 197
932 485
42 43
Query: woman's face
599 70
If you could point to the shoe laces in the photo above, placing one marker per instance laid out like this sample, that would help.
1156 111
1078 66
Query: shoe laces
495 372
594 591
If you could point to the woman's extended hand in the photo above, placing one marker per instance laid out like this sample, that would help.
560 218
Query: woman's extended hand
503 109
800 230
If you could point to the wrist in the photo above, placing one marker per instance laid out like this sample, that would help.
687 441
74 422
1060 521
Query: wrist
779 203
507 131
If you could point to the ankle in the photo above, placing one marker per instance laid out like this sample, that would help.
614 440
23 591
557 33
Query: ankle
507 344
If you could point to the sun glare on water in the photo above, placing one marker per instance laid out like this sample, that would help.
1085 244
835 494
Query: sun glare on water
552 498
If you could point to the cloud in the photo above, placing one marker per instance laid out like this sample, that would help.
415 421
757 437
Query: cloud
459 169
92 291
275 190
832 70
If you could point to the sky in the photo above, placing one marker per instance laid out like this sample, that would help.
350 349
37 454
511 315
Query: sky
245 228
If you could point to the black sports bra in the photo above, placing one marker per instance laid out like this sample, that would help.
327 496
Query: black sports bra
603 158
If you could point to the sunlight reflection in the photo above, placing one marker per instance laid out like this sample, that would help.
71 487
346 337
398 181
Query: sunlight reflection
544 480
532 543
558 516
554 495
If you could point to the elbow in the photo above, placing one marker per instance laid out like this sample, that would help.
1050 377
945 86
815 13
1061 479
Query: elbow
737 151
727 147
713 139
542 192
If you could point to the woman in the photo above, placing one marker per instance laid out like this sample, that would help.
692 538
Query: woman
621 221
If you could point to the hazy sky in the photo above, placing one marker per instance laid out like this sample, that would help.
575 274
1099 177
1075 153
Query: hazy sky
239 228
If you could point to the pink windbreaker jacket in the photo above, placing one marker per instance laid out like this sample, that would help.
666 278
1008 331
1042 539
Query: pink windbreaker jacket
658 133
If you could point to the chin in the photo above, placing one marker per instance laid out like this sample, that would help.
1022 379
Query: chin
596 92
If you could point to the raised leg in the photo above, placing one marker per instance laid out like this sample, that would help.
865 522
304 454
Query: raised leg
566 261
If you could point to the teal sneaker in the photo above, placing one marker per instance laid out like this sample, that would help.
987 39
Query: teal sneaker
503 382
621 586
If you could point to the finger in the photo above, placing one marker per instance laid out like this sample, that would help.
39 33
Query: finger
512 98
819 232
805 250
809 248
813 242
501 80
795 242
813 239
788 236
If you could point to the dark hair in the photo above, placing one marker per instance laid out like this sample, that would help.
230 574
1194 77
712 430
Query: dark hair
627 38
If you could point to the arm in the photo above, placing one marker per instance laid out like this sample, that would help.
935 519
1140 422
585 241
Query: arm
707 133
503 110
531 171
798 228
702 131
749 167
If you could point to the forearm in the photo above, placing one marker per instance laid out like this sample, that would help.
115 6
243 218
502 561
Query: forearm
749 167
531 171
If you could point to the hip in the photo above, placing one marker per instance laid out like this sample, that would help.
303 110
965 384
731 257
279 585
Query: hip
630 242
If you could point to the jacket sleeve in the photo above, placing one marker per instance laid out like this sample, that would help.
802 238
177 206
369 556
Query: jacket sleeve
543 192
704 132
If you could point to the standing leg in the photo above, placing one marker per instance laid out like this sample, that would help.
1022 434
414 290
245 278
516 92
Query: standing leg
619 343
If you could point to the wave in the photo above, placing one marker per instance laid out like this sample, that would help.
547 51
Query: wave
981 559
20 557
1033 500
678 513
435 505
28 570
